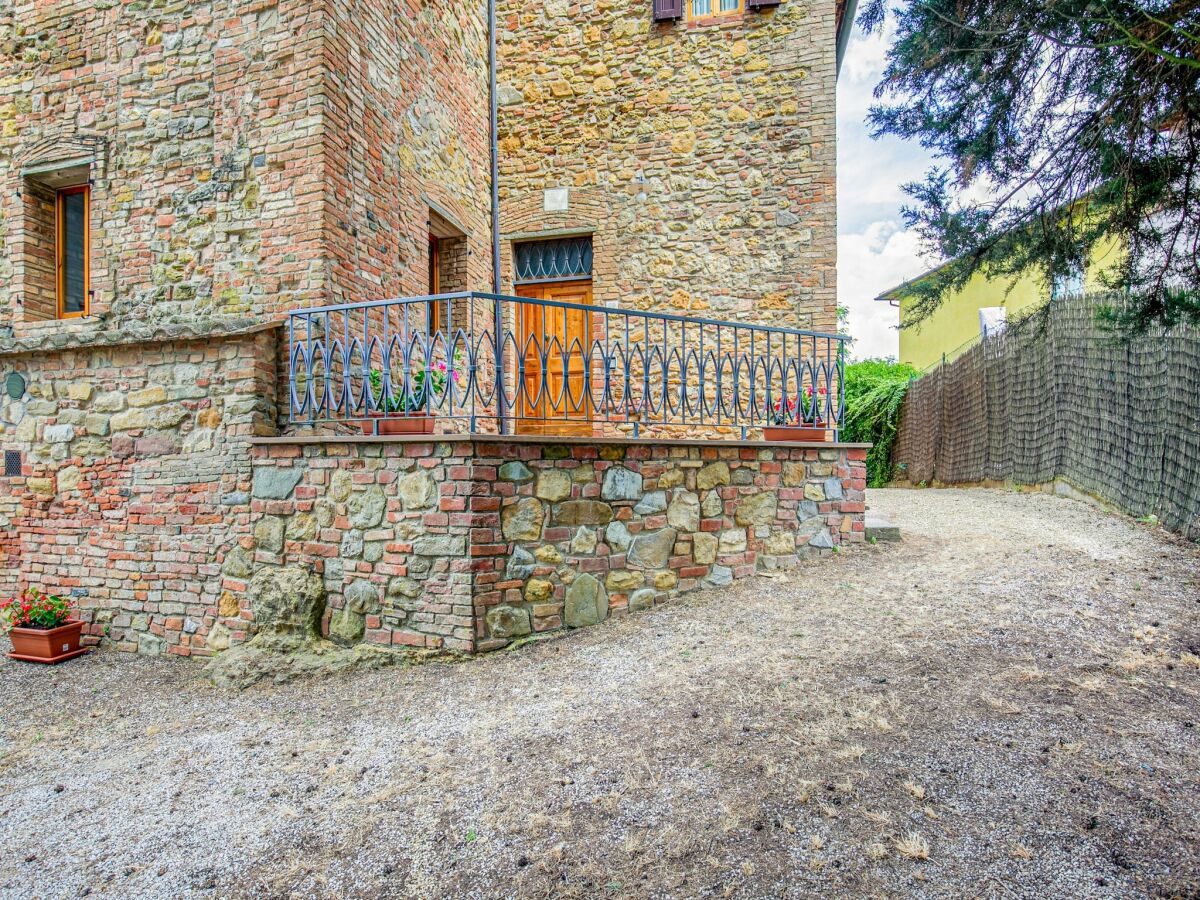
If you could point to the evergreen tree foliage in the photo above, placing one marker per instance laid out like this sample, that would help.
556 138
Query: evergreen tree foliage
1061 127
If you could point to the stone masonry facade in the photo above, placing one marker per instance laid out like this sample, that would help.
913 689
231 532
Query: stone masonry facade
137 481
247 159
244 159
700 156
469 545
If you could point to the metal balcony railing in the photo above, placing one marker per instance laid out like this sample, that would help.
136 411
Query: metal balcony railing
487 363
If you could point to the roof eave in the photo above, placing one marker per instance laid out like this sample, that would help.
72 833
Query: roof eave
845 27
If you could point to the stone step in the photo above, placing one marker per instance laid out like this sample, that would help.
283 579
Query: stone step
880 529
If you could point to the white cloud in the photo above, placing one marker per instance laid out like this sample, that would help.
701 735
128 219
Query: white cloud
869 262
874 251
865 59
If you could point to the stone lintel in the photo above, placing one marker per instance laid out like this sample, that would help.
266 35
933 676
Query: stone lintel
42 341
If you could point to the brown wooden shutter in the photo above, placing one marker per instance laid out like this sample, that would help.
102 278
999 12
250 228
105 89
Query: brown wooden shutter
665 10
761 4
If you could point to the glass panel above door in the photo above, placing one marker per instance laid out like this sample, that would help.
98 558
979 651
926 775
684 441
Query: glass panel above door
560 259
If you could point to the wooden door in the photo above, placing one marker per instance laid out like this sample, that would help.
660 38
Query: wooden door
562 337
436 320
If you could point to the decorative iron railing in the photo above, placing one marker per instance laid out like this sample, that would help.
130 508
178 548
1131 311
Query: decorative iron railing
501 364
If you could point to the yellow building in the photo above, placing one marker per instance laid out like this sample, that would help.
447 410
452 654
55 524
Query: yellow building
983 305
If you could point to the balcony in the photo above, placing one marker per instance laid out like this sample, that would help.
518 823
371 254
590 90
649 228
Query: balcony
479 363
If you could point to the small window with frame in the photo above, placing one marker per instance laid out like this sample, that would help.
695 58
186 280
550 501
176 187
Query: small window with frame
438 309
72 250
712 9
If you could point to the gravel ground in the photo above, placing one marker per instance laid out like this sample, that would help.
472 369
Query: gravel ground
1003 705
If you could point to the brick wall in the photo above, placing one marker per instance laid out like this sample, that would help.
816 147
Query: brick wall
135 482
245 158
407 119
468 545
702 156
200 122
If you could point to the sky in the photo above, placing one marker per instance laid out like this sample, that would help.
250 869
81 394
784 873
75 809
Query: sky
875 252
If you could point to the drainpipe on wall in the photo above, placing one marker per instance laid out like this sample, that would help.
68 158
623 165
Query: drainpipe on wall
843 35
497 320
495 150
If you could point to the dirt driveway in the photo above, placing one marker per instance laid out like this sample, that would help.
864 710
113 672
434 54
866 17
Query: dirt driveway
1004 705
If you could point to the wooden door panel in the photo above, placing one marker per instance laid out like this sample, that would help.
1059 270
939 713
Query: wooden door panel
557 404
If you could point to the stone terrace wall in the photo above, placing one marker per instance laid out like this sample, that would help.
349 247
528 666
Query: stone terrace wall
469 544
136 482
387 525
700 155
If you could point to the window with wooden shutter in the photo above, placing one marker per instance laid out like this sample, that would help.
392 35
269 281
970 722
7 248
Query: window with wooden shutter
708 9
666 10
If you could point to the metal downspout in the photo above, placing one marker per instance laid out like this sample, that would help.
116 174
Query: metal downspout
498 323
843 35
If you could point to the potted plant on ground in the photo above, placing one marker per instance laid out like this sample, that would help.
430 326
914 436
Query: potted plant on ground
408 413
784 414
41 628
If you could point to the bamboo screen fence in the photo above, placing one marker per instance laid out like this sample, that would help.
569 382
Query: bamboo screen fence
1058 396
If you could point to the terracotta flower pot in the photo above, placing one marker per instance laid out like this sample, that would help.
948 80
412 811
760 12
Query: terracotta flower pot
51 645
791 433
398 423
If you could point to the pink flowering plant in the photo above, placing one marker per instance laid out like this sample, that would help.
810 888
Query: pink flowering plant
33 609
785 408
428 383
785 411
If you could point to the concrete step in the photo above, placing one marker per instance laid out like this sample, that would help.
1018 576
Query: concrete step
880 529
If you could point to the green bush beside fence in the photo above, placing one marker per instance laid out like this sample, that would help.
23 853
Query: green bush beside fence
875 391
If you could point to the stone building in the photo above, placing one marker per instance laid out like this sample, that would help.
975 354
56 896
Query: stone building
175 179
696 154
236 159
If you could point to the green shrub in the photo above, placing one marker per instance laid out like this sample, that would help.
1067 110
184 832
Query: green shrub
875 390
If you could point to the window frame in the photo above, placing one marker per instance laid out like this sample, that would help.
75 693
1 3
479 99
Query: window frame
716 14
60 247
434 318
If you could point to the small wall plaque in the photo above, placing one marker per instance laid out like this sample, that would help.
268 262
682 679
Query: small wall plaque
15 385
557 200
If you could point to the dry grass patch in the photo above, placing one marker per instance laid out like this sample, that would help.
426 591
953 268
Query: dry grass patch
912 846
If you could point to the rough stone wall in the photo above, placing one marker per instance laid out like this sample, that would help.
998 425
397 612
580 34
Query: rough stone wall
386 525
245 158
201 120
702 156
587 531
470 545
407 124
135 482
